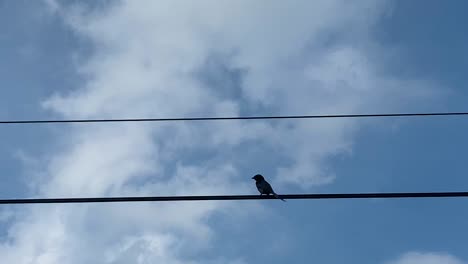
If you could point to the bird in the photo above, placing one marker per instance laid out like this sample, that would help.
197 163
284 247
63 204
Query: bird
264 187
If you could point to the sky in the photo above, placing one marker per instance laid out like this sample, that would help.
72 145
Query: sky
156 59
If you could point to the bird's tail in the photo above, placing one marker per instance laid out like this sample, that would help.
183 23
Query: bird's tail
277 197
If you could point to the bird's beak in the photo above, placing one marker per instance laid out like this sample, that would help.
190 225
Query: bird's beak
253 177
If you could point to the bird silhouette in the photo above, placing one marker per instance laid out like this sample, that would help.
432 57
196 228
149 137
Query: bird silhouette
264 187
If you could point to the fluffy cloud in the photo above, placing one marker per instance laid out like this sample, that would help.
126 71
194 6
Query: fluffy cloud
150 59
427 258
197 58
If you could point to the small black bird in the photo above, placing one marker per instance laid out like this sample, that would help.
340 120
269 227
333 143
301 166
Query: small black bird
264 187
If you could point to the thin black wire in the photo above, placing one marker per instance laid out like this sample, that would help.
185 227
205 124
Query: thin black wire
235 197
233 118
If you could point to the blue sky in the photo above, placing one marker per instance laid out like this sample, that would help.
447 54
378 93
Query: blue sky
69 59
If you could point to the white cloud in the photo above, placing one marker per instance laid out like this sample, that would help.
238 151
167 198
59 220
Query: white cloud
148 60
146 55
427 258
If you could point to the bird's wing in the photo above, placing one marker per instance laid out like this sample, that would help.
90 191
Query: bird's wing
267 187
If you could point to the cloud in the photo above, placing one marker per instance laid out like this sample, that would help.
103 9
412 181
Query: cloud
146 59
151 59
427 258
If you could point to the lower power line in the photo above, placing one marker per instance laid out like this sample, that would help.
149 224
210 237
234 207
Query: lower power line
318 196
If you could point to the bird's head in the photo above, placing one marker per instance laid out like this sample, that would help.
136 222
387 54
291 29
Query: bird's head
258 178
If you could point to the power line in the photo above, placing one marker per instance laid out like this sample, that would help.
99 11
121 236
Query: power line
320 196
233 118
